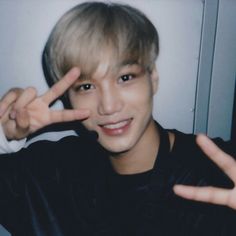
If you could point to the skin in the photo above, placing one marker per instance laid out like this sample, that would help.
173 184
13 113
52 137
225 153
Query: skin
21 110
120 104
20 115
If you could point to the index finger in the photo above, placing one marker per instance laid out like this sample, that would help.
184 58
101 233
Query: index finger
222 159
61 86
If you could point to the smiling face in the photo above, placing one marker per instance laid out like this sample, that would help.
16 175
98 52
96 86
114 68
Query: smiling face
99 38
120 102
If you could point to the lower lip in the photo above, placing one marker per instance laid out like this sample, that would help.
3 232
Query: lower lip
117 131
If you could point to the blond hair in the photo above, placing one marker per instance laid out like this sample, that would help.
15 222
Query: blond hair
91 31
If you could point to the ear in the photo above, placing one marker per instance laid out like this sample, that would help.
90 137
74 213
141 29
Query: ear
154 79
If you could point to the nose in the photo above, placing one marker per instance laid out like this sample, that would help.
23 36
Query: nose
110 102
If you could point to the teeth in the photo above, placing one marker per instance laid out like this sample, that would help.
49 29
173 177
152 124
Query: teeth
117 125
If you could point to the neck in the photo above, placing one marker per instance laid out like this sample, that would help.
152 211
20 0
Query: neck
142 156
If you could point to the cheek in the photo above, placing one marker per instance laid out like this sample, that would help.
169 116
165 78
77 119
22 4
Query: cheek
81 102
88 123
140 95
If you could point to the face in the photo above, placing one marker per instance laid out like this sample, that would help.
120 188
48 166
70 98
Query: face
120 103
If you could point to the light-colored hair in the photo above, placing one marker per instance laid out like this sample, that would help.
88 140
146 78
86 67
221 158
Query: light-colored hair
92 31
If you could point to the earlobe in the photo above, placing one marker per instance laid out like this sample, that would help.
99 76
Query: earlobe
155 79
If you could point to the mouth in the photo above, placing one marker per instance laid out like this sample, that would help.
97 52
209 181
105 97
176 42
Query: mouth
116 128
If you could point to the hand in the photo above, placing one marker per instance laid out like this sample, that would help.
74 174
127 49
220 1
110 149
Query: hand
22 112
213 195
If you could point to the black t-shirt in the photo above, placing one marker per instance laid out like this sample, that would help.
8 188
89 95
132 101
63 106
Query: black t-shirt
69 188
145 204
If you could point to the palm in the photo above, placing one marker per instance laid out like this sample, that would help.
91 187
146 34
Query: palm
39 114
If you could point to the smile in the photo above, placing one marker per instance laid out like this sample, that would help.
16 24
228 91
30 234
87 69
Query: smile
116 128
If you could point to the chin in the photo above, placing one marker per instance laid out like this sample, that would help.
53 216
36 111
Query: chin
116 147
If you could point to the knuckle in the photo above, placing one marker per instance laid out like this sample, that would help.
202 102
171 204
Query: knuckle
15 91
6 96
32 90
11 95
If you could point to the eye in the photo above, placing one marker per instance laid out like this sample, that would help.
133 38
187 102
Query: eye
125 78
84 87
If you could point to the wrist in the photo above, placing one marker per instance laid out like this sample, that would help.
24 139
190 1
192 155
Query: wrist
9 146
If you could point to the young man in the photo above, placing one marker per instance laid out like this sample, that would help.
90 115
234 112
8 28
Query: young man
122 184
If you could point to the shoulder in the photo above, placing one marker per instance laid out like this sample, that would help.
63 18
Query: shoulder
45 154
186 144
192 166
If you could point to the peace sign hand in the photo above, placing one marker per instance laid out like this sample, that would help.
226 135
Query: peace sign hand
213 195
22 112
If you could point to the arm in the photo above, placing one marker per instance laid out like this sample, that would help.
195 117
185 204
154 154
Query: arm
213 195
22 112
